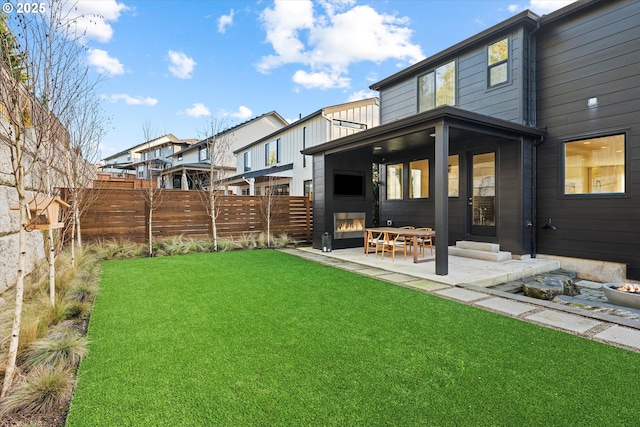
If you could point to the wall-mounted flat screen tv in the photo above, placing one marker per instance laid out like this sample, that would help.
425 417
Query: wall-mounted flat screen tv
348 184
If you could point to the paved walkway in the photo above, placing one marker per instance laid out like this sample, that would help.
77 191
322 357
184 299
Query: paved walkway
609 329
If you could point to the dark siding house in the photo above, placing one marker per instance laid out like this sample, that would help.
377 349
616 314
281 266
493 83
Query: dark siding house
525 135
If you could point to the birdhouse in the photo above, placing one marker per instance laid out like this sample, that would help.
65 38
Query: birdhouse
43 213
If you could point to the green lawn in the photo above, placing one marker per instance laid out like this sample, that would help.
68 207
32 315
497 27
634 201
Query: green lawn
266 338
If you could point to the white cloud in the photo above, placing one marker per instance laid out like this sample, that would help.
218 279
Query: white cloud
130 100
198 110
92 19
103 63
330 41
542 7
242 113
225 21
513 8
320 80
181 65
361 94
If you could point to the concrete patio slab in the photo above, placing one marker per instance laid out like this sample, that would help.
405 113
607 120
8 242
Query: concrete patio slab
565 321
461 294
461 270
507 306
621 335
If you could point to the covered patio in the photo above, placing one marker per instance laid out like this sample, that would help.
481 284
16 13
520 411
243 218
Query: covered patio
475 181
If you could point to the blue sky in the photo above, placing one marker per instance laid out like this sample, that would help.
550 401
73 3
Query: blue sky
178 66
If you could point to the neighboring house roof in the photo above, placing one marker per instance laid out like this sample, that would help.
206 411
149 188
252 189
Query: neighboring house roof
203 142
321 111
169 138
262 172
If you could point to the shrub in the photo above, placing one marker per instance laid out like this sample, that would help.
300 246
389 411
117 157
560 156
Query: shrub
62 349
44 389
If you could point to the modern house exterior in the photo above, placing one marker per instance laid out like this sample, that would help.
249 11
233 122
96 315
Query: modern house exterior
145 160
190 166
274 163
525 135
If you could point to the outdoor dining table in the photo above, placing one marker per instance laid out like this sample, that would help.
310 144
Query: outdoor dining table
404 232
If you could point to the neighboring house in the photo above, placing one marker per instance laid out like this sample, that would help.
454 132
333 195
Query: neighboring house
146 160
190 166
274 163
525 135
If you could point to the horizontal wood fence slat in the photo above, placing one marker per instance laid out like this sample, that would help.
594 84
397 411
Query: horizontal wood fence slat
123 214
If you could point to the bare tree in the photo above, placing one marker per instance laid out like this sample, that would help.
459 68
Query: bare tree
42 78
152 193
86 127
268 203
217 143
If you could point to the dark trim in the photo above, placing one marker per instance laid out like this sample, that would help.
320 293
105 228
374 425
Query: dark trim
422 121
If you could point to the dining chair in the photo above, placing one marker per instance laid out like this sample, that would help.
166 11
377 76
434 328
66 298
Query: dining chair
407 240
424 241
374 241
391 243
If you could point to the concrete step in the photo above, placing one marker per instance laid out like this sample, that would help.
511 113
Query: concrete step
486 252
478 246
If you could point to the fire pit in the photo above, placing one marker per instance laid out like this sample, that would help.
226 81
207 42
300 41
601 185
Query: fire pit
625 294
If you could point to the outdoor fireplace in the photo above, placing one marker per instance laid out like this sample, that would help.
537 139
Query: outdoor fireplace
348 225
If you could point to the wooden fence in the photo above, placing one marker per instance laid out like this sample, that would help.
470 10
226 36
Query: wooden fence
123 214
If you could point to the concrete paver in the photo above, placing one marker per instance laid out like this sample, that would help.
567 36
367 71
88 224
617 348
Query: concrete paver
507 306
562 320
461 294
396 277
621 335
426 285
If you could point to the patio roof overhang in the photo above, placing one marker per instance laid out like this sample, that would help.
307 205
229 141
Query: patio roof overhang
438 127
412 131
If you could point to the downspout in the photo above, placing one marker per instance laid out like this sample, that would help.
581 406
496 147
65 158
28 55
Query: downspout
534 148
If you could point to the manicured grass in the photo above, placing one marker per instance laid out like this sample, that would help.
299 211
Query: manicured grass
266 338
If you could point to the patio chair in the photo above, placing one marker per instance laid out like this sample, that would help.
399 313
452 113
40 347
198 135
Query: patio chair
407 240
374 241
391 242
424 241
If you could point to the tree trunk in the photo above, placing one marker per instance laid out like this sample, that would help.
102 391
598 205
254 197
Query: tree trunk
214 229
52 268
17 314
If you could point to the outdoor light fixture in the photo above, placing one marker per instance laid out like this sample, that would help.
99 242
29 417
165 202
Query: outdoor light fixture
592 102
550 226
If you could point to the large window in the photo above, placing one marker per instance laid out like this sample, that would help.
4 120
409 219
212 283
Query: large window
394 181
419 179
595 165
272 152
498 62
437 87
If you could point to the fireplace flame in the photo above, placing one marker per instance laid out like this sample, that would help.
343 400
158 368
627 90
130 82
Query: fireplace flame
350 225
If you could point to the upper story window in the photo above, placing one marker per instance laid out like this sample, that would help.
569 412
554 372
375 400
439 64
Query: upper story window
437 87
179 156
247 161
204 155
595 165
272 152
304 145
498 62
